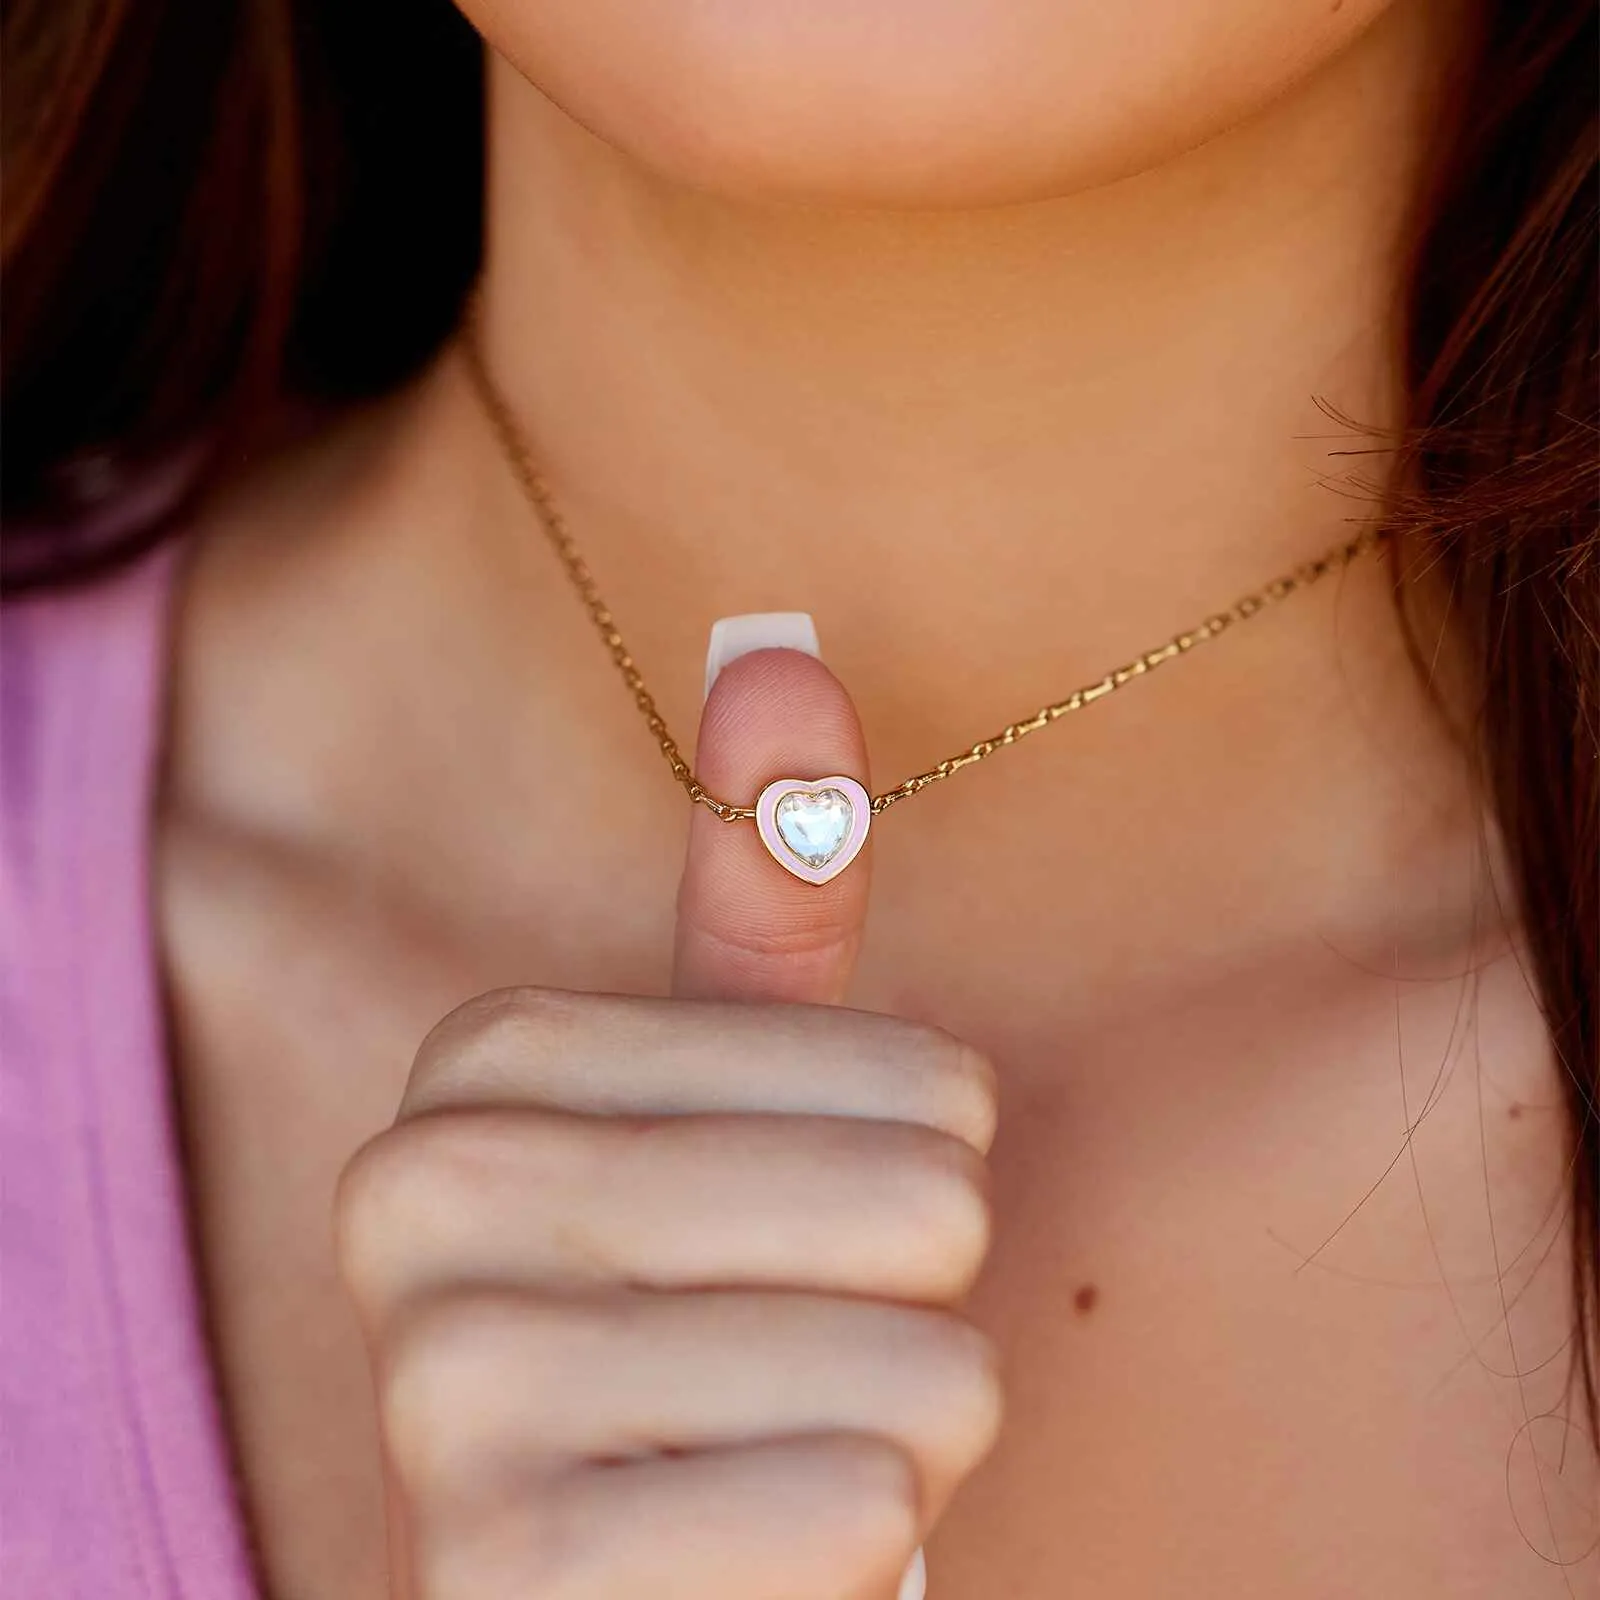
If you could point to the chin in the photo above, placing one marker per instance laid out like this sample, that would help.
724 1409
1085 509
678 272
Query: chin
913 103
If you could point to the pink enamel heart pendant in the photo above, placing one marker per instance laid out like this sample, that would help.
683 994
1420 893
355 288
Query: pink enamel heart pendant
814 828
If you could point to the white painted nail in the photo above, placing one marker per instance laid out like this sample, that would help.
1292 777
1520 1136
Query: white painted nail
732 637
915 1583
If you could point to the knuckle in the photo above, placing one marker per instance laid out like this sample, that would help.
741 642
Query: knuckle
730 934
967 1378
491 1046
572 1540
970 1094
951 1085
508 1551
879 1496
466 1379
363 1204
414 1179
425 1384
441 1381
950 1211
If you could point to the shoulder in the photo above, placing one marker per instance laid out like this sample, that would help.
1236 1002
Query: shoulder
80 693
81 675
103 1355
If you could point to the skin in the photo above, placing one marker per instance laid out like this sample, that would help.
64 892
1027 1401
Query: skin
1202 1318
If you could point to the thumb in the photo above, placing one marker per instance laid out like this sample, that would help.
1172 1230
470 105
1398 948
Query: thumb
747 929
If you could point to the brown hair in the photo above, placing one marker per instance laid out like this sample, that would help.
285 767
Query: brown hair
1502 471
211 205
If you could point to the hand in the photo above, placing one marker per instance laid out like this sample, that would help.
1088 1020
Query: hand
658 1292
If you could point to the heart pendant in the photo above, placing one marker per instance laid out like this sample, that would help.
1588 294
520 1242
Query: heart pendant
813 828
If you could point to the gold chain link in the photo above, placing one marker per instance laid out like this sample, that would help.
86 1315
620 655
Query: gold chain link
554 524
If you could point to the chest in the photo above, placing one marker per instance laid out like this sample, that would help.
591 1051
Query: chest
1268 1255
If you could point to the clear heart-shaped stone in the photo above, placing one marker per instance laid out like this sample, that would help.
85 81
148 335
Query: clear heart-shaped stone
814 824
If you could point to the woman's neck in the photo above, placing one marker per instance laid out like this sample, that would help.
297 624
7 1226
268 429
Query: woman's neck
1096 413
994 453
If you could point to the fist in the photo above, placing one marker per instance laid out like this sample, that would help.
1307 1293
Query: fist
658 1294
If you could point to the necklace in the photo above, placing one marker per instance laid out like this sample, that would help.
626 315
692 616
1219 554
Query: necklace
815 827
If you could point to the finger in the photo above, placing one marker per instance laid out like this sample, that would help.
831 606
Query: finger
478 1390
780 1519
539 1199
608 1055
746 929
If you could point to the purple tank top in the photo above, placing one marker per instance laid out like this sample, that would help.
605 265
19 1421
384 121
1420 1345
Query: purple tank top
115 1482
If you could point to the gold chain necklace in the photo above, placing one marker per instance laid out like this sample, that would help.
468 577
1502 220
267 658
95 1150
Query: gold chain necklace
815 827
